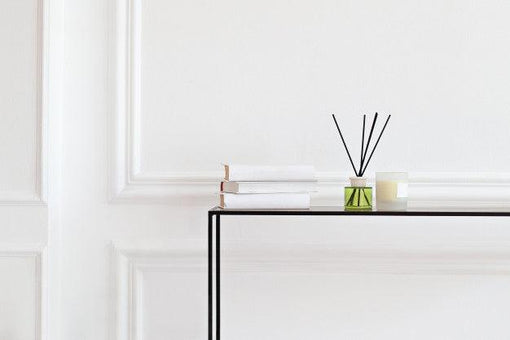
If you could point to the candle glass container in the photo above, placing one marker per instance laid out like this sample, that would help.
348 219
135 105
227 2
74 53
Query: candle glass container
391 191
358 196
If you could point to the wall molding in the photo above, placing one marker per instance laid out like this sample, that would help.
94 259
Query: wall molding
190 255
131 260
459 189
38 255
129 184
38 195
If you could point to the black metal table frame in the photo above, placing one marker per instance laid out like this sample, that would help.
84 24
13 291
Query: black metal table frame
213 236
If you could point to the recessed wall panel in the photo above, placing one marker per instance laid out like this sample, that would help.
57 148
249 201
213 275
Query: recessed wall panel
20 96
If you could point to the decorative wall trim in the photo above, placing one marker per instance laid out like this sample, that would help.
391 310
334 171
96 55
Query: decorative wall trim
38 195
490 190
130 261
129 184
128 265
38 255
344 259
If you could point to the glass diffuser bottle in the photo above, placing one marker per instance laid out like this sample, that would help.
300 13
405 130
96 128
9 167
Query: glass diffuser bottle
358 196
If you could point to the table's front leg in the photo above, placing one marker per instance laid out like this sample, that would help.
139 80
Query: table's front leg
216 276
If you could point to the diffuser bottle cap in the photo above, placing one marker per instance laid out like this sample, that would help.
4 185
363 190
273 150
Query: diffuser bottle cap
358 182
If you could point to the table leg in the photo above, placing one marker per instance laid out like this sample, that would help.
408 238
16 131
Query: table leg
210 276
218 315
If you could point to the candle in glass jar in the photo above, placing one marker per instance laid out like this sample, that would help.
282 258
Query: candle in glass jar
391 190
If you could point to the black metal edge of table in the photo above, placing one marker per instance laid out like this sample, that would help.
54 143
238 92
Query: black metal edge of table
315 211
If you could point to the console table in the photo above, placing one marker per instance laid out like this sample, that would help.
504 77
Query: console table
214 222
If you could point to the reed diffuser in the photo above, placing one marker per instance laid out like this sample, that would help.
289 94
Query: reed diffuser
358 196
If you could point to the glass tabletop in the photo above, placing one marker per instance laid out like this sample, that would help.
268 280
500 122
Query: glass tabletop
333 211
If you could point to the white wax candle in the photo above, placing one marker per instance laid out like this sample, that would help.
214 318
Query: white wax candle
391 191
387 190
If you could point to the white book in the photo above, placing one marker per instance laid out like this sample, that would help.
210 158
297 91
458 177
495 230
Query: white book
269 173
265 201
267 187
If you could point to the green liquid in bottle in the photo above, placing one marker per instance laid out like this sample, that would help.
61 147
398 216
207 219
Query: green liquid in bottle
358 198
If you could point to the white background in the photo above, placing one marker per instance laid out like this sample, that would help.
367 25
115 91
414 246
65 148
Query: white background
117 114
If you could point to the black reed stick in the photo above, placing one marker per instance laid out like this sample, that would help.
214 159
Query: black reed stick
362 146
375 146
364 194
351 198
368 142
345 145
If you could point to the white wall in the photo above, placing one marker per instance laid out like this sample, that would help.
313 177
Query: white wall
273 70
146 97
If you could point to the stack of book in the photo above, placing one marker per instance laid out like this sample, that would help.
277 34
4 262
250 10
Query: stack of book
267 187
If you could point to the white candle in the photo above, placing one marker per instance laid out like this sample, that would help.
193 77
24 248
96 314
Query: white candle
391 190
